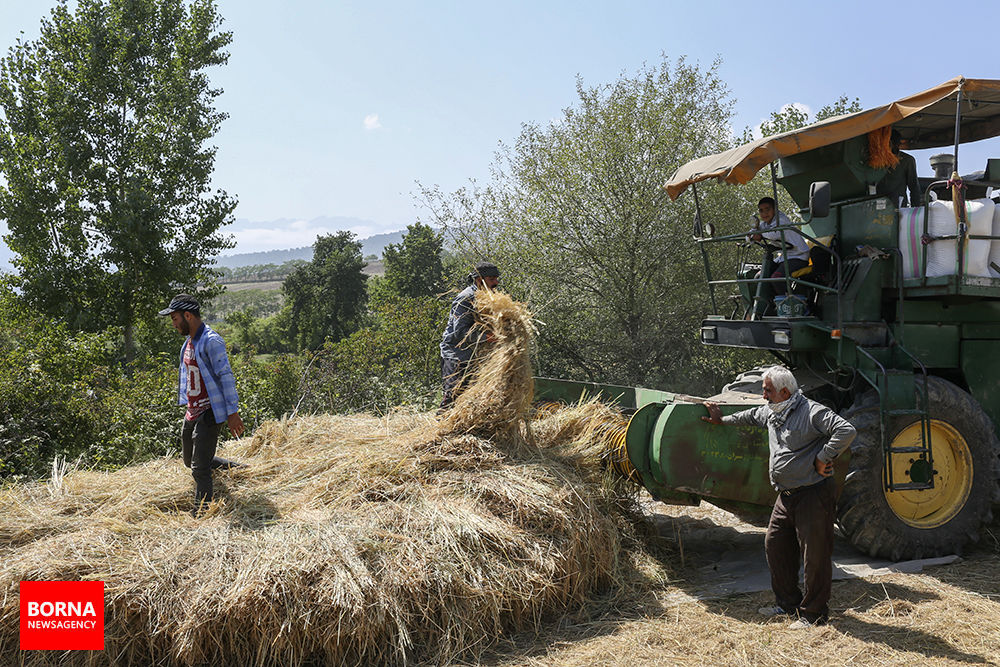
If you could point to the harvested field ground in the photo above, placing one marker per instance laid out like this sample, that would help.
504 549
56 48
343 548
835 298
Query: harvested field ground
345 539
946 615
483 536
266 285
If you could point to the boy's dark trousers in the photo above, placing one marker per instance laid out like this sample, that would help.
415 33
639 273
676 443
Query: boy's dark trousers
454 377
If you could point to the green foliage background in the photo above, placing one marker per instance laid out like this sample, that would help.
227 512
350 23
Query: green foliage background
577 218
326 297
106 122
68 394
574 214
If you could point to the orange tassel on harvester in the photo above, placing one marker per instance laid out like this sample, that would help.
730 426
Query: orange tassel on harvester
880 155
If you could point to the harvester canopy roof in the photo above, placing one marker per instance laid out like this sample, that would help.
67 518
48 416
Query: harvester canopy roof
925 120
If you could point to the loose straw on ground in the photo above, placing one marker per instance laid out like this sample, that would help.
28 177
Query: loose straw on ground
346 540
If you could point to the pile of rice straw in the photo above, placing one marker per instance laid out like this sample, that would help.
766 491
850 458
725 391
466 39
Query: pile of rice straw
357 539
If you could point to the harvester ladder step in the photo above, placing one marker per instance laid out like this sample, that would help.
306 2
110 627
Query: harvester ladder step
880 383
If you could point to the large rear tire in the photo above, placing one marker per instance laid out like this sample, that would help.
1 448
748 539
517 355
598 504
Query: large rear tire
903 525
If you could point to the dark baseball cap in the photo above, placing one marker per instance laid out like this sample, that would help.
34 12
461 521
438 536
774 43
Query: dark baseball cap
182 302
487 270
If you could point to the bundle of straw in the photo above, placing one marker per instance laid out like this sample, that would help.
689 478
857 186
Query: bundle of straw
498 400
346 540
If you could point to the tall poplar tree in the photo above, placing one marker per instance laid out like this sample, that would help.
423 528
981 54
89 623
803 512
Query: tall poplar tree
326 297
413 268
105 124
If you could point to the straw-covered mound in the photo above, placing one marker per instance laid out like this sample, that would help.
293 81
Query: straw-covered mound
356 539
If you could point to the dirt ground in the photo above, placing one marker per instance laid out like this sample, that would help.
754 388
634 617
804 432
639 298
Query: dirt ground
944 615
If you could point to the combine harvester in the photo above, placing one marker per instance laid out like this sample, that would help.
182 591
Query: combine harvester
895 324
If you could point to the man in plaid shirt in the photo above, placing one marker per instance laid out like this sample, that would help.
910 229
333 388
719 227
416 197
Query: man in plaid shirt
207 387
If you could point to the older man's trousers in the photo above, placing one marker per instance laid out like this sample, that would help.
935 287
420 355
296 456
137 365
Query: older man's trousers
801 532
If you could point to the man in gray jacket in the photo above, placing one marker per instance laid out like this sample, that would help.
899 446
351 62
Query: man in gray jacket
804 438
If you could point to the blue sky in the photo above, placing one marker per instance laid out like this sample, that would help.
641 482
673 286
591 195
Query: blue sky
441 83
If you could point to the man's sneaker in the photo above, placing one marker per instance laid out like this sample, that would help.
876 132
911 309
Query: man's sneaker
800 624
225 464
772 611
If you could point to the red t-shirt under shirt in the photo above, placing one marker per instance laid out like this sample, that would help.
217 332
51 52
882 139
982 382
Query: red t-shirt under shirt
196 392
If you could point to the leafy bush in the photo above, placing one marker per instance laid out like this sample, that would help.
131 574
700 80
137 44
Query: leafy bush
139 416
395 361
68 394
65 394
50 381
267 389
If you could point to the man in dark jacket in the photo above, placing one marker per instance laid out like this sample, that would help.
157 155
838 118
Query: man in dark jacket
804 438
902 178
457 345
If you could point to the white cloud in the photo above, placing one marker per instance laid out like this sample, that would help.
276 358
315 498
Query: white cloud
804 108
295 235
281 235
372 122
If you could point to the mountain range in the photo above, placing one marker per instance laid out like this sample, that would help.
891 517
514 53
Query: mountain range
278 241
373 245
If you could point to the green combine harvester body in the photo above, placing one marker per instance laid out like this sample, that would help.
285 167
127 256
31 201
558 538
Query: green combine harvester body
911 359
675 456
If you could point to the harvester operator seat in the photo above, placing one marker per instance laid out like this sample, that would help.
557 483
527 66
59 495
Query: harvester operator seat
820 262
819 270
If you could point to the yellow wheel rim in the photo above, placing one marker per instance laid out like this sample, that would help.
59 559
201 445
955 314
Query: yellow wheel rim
929 508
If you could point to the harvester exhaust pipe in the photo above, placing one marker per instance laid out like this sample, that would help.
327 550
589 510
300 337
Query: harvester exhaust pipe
942 164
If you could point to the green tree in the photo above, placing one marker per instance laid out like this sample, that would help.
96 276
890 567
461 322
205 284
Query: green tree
839 108
326 296
413 268
579 222
792 117
393 361
272 334
242 321
787 118
104 145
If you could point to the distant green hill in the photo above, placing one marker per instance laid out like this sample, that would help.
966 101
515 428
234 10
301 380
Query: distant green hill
278 257
373 245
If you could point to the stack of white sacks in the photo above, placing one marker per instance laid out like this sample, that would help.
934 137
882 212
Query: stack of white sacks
983 218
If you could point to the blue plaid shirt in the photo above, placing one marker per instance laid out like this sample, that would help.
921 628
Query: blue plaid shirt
213 362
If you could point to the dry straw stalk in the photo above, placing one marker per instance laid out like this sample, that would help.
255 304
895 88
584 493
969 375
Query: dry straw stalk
346 540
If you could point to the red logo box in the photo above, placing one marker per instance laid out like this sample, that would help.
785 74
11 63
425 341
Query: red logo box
62 615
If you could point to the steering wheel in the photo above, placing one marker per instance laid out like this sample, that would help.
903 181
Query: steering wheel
768 245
